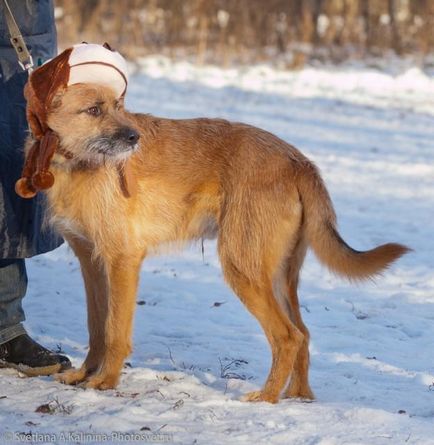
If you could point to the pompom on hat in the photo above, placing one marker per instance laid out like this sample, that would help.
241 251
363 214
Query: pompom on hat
83 63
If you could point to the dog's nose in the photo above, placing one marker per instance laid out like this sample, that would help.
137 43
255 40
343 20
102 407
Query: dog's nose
129 135
133 137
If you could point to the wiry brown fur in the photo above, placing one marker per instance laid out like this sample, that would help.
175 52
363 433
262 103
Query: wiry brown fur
195 178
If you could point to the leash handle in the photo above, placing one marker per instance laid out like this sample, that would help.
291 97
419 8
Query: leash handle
25 59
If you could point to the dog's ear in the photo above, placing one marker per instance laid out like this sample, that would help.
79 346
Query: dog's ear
120 103
107 46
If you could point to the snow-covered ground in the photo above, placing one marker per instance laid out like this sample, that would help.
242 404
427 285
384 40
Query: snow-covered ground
197 349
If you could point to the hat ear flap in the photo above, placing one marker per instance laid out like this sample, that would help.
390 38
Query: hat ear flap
40 89
45 80
24 186
34 112
35 125
39 92
42 178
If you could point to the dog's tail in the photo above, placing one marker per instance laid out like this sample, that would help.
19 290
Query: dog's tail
323 237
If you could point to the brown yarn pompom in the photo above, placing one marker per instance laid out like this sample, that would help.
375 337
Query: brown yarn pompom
24 188
43 180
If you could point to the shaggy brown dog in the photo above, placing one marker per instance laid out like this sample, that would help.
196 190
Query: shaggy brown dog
190 179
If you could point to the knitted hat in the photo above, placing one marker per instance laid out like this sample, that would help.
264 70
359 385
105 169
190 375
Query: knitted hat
83 63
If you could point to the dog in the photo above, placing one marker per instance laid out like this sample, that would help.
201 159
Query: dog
190 179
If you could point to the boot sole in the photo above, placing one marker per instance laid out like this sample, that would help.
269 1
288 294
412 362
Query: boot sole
32 372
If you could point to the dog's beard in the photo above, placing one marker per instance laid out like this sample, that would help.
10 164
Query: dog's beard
104 149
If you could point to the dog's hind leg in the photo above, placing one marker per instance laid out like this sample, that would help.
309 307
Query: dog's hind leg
122 277
284 337
253 251
95 281
299 384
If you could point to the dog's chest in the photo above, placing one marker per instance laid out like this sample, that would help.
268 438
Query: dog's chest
68 227
79 206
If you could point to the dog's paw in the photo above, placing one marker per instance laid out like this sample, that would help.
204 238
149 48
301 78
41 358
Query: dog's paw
299 393
259 396
72 376
102 382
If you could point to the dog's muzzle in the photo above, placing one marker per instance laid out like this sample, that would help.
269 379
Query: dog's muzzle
123 141
128 135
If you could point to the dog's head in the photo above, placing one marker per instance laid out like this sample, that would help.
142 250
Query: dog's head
92 124
74 107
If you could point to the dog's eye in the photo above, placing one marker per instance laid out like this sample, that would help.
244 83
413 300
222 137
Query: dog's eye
94 111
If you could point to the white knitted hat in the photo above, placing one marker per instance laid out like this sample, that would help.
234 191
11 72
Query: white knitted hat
91 63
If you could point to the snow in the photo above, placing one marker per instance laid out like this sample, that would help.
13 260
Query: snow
372 345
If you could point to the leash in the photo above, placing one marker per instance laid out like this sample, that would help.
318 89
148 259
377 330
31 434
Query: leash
25 59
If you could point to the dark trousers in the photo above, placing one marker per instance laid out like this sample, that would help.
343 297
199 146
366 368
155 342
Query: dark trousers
13 286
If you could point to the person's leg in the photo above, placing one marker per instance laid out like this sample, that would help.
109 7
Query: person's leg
13 286
17 349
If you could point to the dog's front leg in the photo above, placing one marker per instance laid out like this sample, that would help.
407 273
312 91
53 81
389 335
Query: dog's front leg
96 284
122 275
